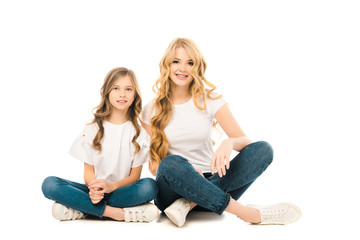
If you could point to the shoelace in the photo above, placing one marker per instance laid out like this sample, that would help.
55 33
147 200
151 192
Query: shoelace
133 216
273 215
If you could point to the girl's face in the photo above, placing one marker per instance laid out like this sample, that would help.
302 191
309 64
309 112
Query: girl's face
122 94
180 68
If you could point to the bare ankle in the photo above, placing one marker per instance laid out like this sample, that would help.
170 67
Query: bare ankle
114 213
246 214
253 216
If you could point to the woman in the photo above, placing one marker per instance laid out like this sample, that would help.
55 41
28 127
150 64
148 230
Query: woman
180 120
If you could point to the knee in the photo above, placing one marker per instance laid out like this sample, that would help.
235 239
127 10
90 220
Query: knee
49 186
148 188
262 151
266 151
171 164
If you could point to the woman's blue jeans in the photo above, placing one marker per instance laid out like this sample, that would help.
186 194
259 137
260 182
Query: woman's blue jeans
176 178
76 195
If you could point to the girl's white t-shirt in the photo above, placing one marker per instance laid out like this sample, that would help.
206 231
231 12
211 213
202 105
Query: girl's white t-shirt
117 157
190 130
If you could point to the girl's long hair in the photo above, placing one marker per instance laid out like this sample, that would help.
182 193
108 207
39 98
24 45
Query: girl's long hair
163 104
103 110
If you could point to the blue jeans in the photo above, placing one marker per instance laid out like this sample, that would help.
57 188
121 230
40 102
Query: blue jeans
76 195
176 178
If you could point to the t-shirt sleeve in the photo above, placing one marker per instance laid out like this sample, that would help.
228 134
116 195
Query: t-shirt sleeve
215 104
81 148
146 115
142 156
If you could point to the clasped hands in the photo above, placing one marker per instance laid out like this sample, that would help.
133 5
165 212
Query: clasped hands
97 190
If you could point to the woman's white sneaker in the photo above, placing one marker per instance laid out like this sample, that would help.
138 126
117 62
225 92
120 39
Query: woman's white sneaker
178 211
63 213
278 214
142 213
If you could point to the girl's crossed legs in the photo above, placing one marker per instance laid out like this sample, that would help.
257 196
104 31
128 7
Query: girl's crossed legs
76 196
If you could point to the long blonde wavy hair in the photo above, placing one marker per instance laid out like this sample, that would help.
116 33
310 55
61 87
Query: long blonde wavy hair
103 110
163 104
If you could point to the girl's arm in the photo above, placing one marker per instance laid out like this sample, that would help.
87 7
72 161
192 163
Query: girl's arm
237 140
95 193
153 166
135 174
108 187
89 173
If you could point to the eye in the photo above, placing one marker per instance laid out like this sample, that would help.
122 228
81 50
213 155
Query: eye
175 61
191 63
115 88
129 89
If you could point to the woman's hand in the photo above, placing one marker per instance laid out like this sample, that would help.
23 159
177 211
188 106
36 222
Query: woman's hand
221 157
200 172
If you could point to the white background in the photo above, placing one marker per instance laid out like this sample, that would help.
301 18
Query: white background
288 69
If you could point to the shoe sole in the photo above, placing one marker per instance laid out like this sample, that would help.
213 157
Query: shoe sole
297 209
172 218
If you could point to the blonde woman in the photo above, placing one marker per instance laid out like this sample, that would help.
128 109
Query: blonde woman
180 120
113 148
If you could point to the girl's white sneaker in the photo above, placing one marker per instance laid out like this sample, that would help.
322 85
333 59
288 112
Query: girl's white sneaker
63 213
178 211
278 214
142 213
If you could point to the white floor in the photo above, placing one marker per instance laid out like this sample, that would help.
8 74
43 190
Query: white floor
199 224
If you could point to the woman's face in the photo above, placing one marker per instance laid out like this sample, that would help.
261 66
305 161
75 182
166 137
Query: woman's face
180 68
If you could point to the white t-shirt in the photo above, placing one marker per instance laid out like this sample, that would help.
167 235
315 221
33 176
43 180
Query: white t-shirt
190 131
117 157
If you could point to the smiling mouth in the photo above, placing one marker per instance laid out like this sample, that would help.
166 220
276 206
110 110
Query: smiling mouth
122 101
182 75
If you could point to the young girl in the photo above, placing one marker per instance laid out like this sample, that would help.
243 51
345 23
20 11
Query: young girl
180 120
113 148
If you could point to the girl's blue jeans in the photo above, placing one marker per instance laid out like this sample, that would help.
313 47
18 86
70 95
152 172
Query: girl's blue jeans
76 195
176 178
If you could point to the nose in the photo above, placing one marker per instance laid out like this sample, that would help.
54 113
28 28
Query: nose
122 93
182 67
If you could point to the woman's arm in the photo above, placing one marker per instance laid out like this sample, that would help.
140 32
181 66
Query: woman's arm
237 140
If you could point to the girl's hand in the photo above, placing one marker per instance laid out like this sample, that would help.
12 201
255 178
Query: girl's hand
153 166
102 185
221 157
96 195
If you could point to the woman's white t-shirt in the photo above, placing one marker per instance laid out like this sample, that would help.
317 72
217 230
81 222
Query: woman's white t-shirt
190 130
117 157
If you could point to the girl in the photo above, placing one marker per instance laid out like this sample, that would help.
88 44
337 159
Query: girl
113 148
180 120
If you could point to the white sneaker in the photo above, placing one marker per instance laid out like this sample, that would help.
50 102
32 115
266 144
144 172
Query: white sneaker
61 212
142 213
278 214
178 211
